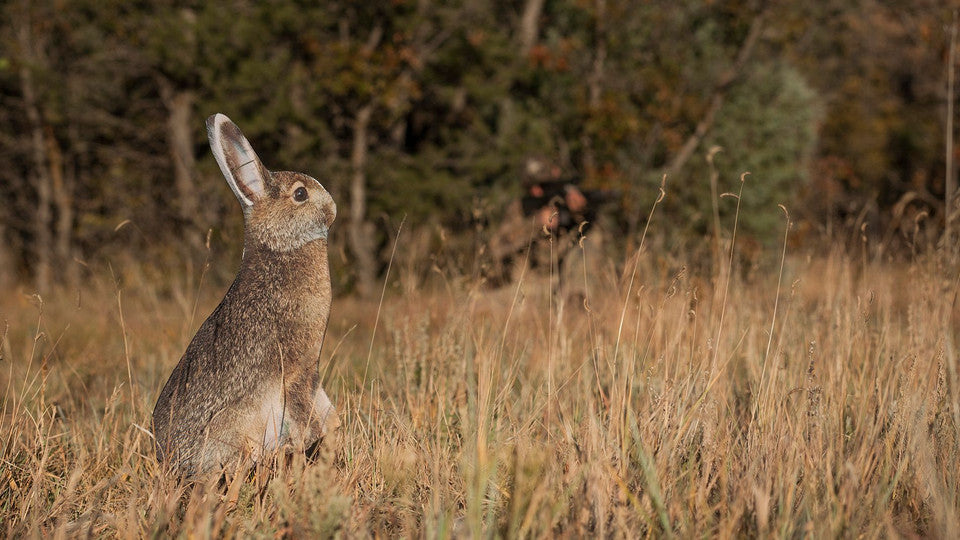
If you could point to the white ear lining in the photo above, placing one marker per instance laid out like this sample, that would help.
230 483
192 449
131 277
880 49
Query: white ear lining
249 169
227 173
250 177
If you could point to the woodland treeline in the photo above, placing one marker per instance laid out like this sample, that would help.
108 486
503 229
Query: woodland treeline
422 111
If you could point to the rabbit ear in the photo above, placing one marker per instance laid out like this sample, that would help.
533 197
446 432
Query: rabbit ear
239 163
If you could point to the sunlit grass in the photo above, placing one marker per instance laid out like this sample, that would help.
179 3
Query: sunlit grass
517 413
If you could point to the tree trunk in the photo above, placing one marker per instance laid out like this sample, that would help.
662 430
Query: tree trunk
62 198
6 263
529 25
360 231
595 86
42 219
179 105
950 183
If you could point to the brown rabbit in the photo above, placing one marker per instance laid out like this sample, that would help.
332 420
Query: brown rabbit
249 381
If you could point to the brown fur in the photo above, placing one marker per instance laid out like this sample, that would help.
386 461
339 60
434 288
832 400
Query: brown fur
261 344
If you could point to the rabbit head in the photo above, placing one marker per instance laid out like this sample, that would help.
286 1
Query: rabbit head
282 210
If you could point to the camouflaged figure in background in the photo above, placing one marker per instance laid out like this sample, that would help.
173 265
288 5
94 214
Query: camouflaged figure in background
549 220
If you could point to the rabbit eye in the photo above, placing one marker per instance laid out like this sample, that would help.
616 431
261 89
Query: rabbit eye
300 194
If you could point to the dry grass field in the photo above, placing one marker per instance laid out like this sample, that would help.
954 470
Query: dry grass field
820 400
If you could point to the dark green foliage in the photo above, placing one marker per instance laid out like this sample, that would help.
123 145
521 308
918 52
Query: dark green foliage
837 110
768 127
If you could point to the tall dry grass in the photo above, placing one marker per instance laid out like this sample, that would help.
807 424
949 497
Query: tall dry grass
821 400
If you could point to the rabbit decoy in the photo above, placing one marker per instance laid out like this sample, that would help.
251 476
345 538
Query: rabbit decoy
249 382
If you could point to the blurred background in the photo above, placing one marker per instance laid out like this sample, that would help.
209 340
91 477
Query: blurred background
425 112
